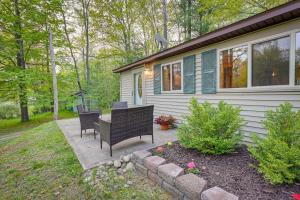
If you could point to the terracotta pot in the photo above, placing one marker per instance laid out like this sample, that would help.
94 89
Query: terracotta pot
164 127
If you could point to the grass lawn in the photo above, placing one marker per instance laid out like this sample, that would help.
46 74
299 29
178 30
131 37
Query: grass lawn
15 125
41 165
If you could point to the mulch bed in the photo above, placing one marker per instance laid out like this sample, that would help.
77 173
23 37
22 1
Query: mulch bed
234 173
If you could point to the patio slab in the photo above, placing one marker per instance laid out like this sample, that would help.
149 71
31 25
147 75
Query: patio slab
87 149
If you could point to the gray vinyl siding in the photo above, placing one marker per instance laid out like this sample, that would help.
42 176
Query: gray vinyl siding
253 103
126 87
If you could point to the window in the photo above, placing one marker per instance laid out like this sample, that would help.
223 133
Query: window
233 67
297 55
176 76
270 62
166 78
171 76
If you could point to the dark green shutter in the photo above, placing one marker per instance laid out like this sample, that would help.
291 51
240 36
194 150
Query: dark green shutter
157 79
209 67
189 71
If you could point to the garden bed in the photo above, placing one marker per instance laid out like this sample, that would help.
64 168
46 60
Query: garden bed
234 173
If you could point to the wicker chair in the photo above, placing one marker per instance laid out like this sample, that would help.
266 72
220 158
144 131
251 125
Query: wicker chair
126 123
119 104
87 119
80 109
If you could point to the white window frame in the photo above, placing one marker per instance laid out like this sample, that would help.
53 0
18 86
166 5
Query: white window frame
171 77
290 87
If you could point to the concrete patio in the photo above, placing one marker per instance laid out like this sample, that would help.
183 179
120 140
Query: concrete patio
87 149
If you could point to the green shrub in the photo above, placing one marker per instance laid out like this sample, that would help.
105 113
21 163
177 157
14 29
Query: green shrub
9 110
279 153
211 130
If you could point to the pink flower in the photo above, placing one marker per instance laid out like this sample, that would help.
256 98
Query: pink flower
159 149
191 165
296 196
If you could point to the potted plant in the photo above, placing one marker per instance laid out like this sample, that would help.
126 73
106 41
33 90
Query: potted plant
165 122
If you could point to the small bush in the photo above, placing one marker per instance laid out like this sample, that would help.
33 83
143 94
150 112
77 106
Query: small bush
211 130
279 153
9 110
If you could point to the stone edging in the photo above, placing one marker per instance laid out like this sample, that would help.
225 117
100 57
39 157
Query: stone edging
172 178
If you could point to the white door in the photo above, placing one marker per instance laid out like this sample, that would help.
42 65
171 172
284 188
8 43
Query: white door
138 88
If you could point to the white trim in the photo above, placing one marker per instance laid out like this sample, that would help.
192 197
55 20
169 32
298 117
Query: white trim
217 71
291 86
171 77
296 32
137 71
249 67
235 46
292 66
278 88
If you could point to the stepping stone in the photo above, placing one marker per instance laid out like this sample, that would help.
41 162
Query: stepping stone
191 185
169 172
152 162
139 156
216 193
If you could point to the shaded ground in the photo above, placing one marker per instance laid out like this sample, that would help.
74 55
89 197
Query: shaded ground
234 173
40 164
12 126
10 136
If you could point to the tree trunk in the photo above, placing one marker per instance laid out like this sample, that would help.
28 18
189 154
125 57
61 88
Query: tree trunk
54 81
189 20
74 59
47 109
21 64
165 16
85 6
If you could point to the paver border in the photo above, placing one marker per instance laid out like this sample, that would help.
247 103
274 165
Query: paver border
164 182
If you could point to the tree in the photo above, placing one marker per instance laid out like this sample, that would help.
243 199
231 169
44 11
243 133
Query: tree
165 17
224 12
24 49
86 22
21 63
55 95
73 56
116 20
189 20
91 38
192 18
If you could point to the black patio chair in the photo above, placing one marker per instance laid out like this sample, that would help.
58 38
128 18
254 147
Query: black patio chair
87 119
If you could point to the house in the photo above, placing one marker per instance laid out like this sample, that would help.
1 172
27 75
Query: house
253 63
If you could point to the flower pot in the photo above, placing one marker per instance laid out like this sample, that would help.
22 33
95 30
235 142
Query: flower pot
164 127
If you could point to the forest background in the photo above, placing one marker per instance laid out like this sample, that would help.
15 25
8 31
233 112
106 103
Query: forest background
90 38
